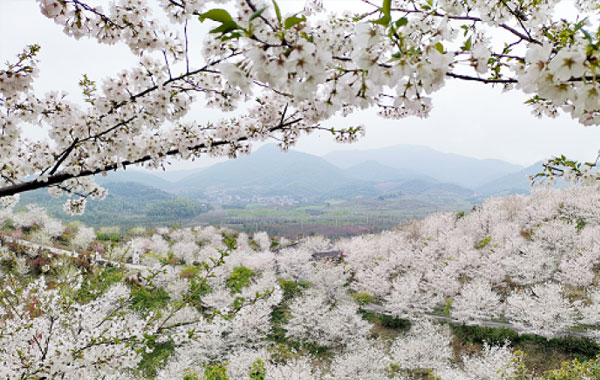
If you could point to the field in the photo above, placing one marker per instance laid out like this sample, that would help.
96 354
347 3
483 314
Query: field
333 218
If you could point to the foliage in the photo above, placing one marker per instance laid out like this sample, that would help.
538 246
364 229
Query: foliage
157 357
97 283
575 370
215 372
363 298
483 242
578 347
201 303
259 371
175 208
292 288
386 320
144 299
239 278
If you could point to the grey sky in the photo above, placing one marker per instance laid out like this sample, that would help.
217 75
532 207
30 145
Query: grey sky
469 119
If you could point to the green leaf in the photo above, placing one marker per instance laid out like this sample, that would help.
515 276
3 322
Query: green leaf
257 13
439 47
219 15
385 21
307 37
401 22
222 16
588 36
226 28
277 11
386 9
467 45
231 36
292 21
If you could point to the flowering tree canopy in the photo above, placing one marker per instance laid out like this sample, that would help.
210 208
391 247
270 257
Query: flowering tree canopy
287 72
177 303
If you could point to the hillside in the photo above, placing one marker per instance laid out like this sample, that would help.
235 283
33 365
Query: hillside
419 160
268 172
451 296
127 204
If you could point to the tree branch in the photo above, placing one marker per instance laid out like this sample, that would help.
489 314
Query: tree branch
483 80
58 178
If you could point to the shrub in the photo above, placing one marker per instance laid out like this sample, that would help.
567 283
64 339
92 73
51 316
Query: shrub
153 360
238 279
483 242
144 299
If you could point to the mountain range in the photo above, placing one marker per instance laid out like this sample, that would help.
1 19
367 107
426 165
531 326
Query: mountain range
401 170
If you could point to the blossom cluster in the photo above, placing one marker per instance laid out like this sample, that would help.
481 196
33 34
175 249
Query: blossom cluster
209 295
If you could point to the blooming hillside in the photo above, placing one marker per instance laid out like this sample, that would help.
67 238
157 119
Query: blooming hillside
208 303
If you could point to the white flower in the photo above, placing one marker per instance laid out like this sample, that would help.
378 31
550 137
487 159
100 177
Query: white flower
366 35
567 64
51 8
234 76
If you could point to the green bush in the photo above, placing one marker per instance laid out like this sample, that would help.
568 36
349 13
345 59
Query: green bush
570 370
143 299
97 283
577 347
259 370
238 279
385 320
363 298
109 234
292 288
576 370
480 334
155 359
8 226
483 242
215 372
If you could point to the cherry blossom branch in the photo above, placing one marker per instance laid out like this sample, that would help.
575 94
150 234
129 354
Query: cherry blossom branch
468 18
102 16
61 177
483 80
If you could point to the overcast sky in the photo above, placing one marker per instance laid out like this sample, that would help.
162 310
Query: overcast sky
468 119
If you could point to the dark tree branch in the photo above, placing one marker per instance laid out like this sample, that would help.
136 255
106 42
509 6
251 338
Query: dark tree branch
482 80
60 177
63 156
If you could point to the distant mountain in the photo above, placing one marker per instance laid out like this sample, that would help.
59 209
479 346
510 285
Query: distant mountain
176 175
134 176
515 183
444 167
374 171
127 204
269 172
418 187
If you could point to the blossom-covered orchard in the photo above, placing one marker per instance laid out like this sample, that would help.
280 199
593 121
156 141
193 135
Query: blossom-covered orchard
285 74
208 303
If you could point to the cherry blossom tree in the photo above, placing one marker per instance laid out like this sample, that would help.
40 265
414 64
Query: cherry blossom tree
285 74
207 302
